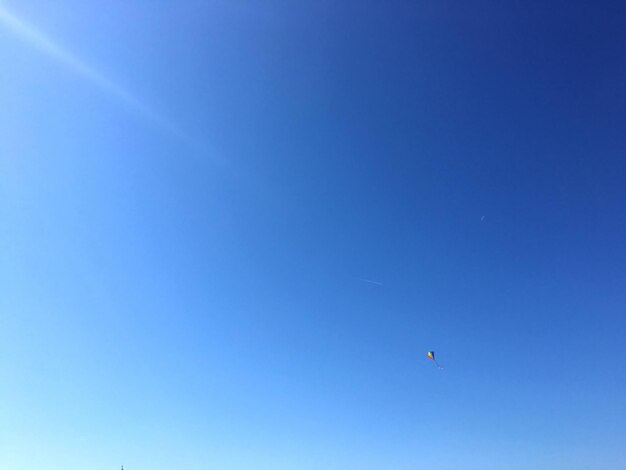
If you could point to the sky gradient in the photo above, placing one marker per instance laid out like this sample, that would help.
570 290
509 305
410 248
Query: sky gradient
231 230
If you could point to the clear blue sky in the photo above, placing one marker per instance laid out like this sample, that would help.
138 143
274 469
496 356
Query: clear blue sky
194 196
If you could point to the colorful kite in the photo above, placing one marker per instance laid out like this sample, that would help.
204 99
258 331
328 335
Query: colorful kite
431 356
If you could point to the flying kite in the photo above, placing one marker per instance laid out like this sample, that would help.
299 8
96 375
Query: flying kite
431 356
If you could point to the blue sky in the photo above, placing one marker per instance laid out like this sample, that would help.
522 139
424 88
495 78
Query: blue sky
193 195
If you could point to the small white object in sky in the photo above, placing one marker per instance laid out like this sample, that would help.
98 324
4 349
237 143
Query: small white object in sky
371 282
35 38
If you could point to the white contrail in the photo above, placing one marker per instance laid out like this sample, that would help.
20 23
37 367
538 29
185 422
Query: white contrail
46 45
370 281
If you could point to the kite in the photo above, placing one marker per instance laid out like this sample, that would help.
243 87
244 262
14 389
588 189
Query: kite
431 356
